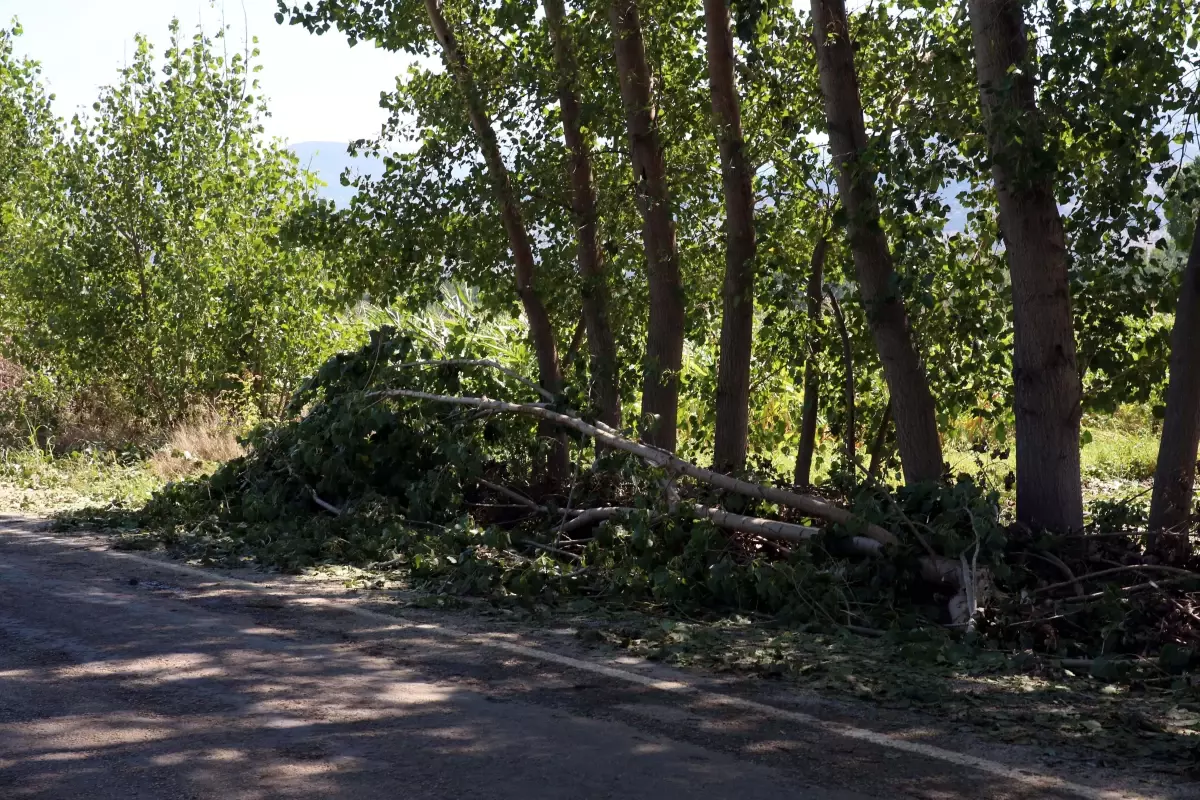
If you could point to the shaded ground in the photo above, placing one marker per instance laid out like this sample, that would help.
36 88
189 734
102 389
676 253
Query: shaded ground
121 678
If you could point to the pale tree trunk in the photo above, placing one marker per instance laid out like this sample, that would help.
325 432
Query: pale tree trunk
912 403
737 321
595 290
812 381
1047 386
540 330
1174 478
664 337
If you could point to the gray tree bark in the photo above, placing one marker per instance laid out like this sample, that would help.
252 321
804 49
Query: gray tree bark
664 336
525 267
912 403
1175 475
594 289
1048 392
737 321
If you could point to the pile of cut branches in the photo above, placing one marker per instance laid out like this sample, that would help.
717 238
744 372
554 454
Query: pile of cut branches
397 457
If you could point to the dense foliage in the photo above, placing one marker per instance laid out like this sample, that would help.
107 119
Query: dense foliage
141 249
1118 86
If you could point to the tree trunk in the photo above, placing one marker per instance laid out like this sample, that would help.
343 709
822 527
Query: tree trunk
879 444
664 337
812 381
594 290
848 368
573 349
1047 385
916 422
737 321
1174 478
540 330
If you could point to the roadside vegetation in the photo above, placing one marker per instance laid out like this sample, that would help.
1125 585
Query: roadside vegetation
856 350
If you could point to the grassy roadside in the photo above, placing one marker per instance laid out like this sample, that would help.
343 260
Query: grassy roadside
38 482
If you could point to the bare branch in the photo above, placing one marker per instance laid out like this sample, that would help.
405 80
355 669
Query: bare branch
511 495
1182 573
774 529
593 515
332 509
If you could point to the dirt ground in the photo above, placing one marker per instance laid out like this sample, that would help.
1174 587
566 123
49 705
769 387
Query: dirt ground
122 676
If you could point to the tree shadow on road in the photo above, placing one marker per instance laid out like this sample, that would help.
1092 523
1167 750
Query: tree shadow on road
122 681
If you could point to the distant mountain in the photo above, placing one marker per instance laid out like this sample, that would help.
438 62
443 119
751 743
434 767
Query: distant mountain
329 160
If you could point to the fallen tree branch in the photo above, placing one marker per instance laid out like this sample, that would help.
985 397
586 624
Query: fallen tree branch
774 529
566 514
511 495
912 528
332 509
767 528
1182 573
872 633
1135 588
550 549
1050 558
497 505
808 504
592 515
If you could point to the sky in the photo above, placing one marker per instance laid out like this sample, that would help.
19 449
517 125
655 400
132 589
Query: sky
318 88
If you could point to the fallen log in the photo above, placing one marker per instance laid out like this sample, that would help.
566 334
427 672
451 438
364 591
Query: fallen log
774 529
511 495
808 504
590 516
767 528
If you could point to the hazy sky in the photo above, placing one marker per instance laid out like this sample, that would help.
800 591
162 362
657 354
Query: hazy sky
318 87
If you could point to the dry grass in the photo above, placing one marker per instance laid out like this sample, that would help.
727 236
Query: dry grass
99 417
204 437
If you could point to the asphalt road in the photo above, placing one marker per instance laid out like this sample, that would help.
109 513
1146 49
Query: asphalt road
120 678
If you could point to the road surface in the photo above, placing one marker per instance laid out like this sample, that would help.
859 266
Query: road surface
121 677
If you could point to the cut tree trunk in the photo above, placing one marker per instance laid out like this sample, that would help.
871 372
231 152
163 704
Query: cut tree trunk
737 321
916 421
1175 475
664 336
540 330
1047 391
812 381
594 280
